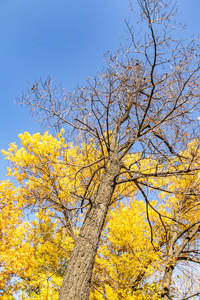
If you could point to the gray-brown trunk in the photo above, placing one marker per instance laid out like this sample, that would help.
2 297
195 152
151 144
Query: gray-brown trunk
166 282
76 283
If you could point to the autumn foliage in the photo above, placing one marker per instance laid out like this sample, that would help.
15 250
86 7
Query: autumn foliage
37 235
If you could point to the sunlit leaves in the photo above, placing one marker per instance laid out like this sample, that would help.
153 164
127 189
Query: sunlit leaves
53 178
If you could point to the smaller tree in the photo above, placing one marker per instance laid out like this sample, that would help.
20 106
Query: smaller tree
183 229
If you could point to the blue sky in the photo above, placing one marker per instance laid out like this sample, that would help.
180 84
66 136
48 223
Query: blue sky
65 39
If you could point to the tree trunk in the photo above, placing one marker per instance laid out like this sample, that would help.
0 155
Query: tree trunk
166 282
173 256
76 283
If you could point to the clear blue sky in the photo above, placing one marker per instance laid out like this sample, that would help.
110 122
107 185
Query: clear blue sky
61 38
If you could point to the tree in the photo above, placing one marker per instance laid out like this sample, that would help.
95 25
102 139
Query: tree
183 243
145 100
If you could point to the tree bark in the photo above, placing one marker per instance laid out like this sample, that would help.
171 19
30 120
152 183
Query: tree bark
76 283
167 282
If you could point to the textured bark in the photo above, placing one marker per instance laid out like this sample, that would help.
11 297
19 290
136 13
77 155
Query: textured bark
76 283
167 282
171 263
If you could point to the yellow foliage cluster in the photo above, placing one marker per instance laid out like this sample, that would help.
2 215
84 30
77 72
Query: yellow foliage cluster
126 254
51 173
